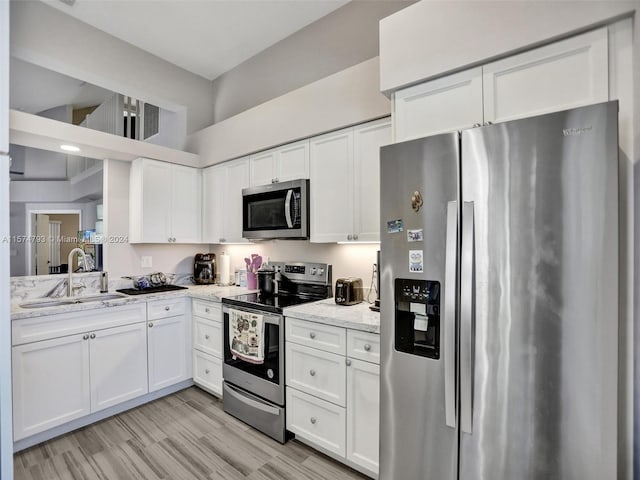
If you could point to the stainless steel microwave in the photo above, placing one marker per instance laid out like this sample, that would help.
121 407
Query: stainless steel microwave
277 210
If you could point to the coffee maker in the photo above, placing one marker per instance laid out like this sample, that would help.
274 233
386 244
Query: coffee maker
204 268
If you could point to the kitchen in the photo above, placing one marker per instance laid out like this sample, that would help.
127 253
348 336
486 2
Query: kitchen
259 136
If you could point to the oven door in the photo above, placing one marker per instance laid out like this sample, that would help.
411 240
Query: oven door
267 379
279 210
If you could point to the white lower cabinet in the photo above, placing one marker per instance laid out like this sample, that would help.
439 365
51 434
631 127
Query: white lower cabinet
363 410
168 353
50 384
118 365
333 399
208 346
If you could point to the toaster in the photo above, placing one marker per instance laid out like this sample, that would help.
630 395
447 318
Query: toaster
348 291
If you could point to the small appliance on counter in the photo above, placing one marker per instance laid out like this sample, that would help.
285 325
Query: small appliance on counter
204 268
348 291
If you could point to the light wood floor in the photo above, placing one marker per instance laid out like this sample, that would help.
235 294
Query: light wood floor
183 436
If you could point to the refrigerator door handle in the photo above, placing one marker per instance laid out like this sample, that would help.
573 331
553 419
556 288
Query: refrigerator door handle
467 330
450 282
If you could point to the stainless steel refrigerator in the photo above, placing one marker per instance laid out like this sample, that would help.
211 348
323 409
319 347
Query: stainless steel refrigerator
499 301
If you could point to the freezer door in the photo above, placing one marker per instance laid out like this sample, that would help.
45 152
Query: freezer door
419 186
539 298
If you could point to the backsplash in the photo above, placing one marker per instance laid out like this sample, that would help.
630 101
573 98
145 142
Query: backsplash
29 288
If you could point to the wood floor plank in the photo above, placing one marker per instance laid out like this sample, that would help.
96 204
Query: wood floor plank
185 436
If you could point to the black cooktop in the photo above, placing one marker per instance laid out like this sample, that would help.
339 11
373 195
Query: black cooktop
158 289
268 303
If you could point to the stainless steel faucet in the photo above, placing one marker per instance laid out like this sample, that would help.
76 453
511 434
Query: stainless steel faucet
80 253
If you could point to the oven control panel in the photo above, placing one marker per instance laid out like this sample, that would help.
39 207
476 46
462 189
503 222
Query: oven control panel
304 272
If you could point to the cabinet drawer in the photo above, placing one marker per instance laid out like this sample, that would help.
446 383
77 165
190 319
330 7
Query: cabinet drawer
317 421
61 324
317 335
316 372
363 346
204 309
207 336
165 308
207 372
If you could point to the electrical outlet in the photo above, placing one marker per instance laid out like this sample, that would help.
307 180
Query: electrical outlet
145 261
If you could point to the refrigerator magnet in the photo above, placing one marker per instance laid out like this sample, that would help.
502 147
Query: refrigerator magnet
415 235
395 226
416 263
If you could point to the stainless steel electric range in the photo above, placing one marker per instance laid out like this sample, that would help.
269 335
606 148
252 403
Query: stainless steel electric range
253 369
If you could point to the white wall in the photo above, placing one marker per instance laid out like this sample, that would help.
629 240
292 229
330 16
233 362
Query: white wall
122 258
172 129
346 98
341 39
432 38
46 37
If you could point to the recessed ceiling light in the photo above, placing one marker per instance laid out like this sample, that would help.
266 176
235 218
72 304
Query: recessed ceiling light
69 148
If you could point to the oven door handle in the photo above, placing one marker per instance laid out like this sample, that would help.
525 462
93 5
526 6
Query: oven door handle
244 398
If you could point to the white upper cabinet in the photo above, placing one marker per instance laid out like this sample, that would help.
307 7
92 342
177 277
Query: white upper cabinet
223 184
331 187
165 202
367 140
290 162
566 74
345 183
448 103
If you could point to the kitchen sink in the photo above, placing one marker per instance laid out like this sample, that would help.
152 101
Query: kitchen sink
71 300
46 303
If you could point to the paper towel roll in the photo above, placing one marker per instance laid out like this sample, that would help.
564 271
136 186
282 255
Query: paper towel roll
224 269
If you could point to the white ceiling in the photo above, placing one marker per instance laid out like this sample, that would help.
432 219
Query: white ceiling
206 37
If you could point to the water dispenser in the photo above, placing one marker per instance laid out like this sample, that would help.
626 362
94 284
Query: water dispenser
417 317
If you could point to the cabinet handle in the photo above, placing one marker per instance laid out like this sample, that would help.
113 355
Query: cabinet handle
488 123
276 180
349 237
206 337
85 336
476 125
312 335
355 236
150 324
313 420
348 362
167 308
312 373
367 347
93 335
206 310
207 371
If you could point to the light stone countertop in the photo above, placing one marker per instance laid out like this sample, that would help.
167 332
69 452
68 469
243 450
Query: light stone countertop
355 317
212 293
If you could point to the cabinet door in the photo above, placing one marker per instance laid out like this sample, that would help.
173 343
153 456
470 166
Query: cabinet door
449 103
262 168
213 184
207 372
237 179
363 411
50 384
563 75
293 162
331 187
150 215
118 365
186 196
168 354
367 140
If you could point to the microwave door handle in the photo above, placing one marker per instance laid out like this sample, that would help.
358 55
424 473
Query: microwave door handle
287 208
